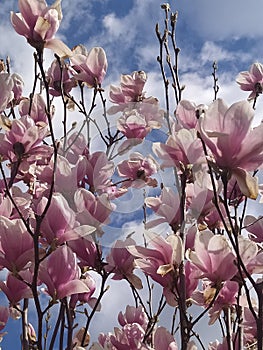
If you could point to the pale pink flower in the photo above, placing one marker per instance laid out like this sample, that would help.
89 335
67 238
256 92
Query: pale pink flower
4 315
24 142
92 210
129 337
15 288
252 80
16 245
183 149
121 262
166 206
17 88
58 224
161 261
87 252
133 314
38 23
235 146
85 297
137 170
7 86
213 257
255 226
38 109
61 274
59 79
187 113
89 67
163 340
130 92
225 299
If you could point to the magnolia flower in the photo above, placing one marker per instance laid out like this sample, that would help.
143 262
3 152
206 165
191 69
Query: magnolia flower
133 315
16 245
187 113
121 262
162 339
38 23
161 262
235 146
89 67
252 80
255 227
59 79
167 207
6 92
213 256
182 149
137 170
35 108
61 274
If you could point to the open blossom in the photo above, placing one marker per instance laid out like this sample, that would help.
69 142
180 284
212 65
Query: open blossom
38 23
187 113
35 108
61 274
15 288
59 79
129 92
182 149
236 147
213 256
252 80
122 263
163 340
166 206
137 170
133 314
89 66
161 261
16 245
24 141
6 91
254 226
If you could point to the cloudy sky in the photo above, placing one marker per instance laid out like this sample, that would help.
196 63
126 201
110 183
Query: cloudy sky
228 31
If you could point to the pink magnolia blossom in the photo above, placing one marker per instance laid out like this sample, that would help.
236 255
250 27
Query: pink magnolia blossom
213 257
87 252
7 86
225 299
255 227
252 80
182 149
137 170
235 146
59 223
121 262
130 92
85 297
163 340
16 245
4 315
59 79
15 288
92 210
129 337
161 261
89 67
167 207
24 141
38 23
17 88
187 113
61 274
133 315
38 109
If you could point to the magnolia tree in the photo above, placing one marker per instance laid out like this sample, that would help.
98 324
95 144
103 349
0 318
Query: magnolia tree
199 259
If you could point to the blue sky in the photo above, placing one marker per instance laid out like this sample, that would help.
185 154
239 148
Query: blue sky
228 31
